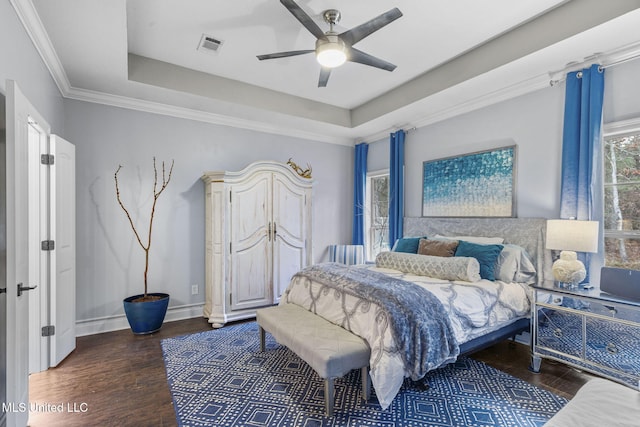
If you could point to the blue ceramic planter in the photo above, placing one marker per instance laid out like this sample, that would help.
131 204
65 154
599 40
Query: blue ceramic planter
146 317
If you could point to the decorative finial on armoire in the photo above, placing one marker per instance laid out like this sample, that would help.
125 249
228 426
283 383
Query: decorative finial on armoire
305 173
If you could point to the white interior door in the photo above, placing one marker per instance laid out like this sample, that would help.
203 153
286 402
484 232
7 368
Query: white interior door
19 113
3 257
62 304
51 198
38 200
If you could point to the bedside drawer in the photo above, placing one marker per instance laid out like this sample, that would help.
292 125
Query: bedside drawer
613 311
587 329
560 331
613 345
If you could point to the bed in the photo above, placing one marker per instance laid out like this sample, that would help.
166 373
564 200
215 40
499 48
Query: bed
420 312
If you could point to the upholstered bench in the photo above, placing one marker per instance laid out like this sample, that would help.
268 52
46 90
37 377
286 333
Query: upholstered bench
329 349
600 403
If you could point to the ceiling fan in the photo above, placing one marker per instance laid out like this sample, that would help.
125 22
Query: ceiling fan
333 49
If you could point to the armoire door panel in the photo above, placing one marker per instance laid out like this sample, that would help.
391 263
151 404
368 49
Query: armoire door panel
250 210
250 269
289 213
250 243
287 261
289 217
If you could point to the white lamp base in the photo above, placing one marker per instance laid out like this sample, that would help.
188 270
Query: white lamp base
569 269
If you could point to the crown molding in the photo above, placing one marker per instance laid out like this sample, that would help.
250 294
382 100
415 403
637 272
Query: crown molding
488 99
32 24
198 115
35 29
607 59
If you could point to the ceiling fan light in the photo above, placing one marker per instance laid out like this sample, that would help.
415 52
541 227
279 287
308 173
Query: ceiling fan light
331 55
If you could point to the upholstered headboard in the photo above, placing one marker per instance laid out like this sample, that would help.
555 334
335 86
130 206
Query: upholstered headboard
530 233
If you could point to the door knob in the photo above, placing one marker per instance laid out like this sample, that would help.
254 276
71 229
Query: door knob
22 288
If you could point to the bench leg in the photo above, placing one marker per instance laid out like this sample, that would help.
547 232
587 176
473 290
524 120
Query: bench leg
329 396
262 338
366 383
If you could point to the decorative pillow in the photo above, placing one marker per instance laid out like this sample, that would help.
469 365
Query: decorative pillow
446 268
485 254
514 265
407 244
474 239
437 247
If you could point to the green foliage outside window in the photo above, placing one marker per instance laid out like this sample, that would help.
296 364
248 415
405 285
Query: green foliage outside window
622 201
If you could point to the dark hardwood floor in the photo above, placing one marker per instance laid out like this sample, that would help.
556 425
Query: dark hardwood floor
118 379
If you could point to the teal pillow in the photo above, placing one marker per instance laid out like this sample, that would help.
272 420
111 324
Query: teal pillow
407 244
485 254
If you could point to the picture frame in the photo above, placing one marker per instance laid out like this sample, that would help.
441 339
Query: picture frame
479 184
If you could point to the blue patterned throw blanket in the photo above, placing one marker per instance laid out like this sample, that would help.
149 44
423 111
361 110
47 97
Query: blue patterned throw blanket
419 324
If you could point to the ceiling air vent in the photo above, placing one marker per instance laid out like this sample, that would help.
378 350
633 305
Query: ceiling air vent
209 44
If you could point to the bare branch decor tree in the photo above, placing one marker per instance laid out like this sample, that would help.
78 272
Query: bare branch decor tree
166 178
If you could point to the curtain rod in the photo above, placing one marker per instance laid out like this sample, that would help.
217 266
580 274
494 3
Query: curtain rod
574 67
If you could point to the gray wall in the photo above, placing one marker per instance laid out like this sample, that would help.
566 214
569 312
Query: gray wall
533 122
622 92
110 262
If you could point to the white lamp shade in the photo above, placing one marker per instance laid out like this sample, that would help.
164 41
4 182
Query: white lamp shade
572 235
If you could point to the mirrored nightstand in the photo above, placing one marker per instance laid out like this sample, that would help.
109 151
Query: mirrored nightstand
588 329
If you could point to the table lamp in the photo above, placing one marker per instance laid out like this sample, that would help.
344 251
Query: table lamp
571 236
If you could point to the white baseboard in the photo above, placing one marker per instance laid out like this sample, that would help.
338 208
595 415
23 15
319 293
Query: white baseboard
116 323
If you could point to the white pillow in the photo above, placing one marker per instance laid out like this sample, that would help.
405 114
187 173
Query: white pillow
514 265
445 268
473 239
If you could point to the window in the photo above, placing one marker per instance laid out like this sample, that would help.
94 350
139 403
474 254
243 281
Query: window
377 223
622 200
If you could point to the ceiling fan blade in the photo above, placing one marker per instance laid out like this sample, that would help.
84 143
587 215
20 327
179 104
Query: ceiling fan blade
360 57
284 54
354 35
325 72
304 19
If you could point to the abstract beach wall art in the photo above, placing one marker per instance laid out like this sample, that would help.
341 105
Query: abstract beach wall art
480 184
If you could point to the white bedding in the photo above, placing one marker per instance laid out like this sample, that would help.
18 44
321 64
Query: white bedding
476 309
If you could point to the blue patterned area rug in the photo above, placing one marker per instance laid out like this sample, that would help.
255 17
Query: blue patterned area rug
220 378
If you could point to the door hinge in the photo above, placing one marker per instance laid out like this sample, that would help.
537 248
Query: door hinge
230 299
48 331
48 245
47 159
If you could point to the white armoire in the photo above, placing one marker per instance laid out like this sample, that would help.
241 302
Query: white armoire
258 234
